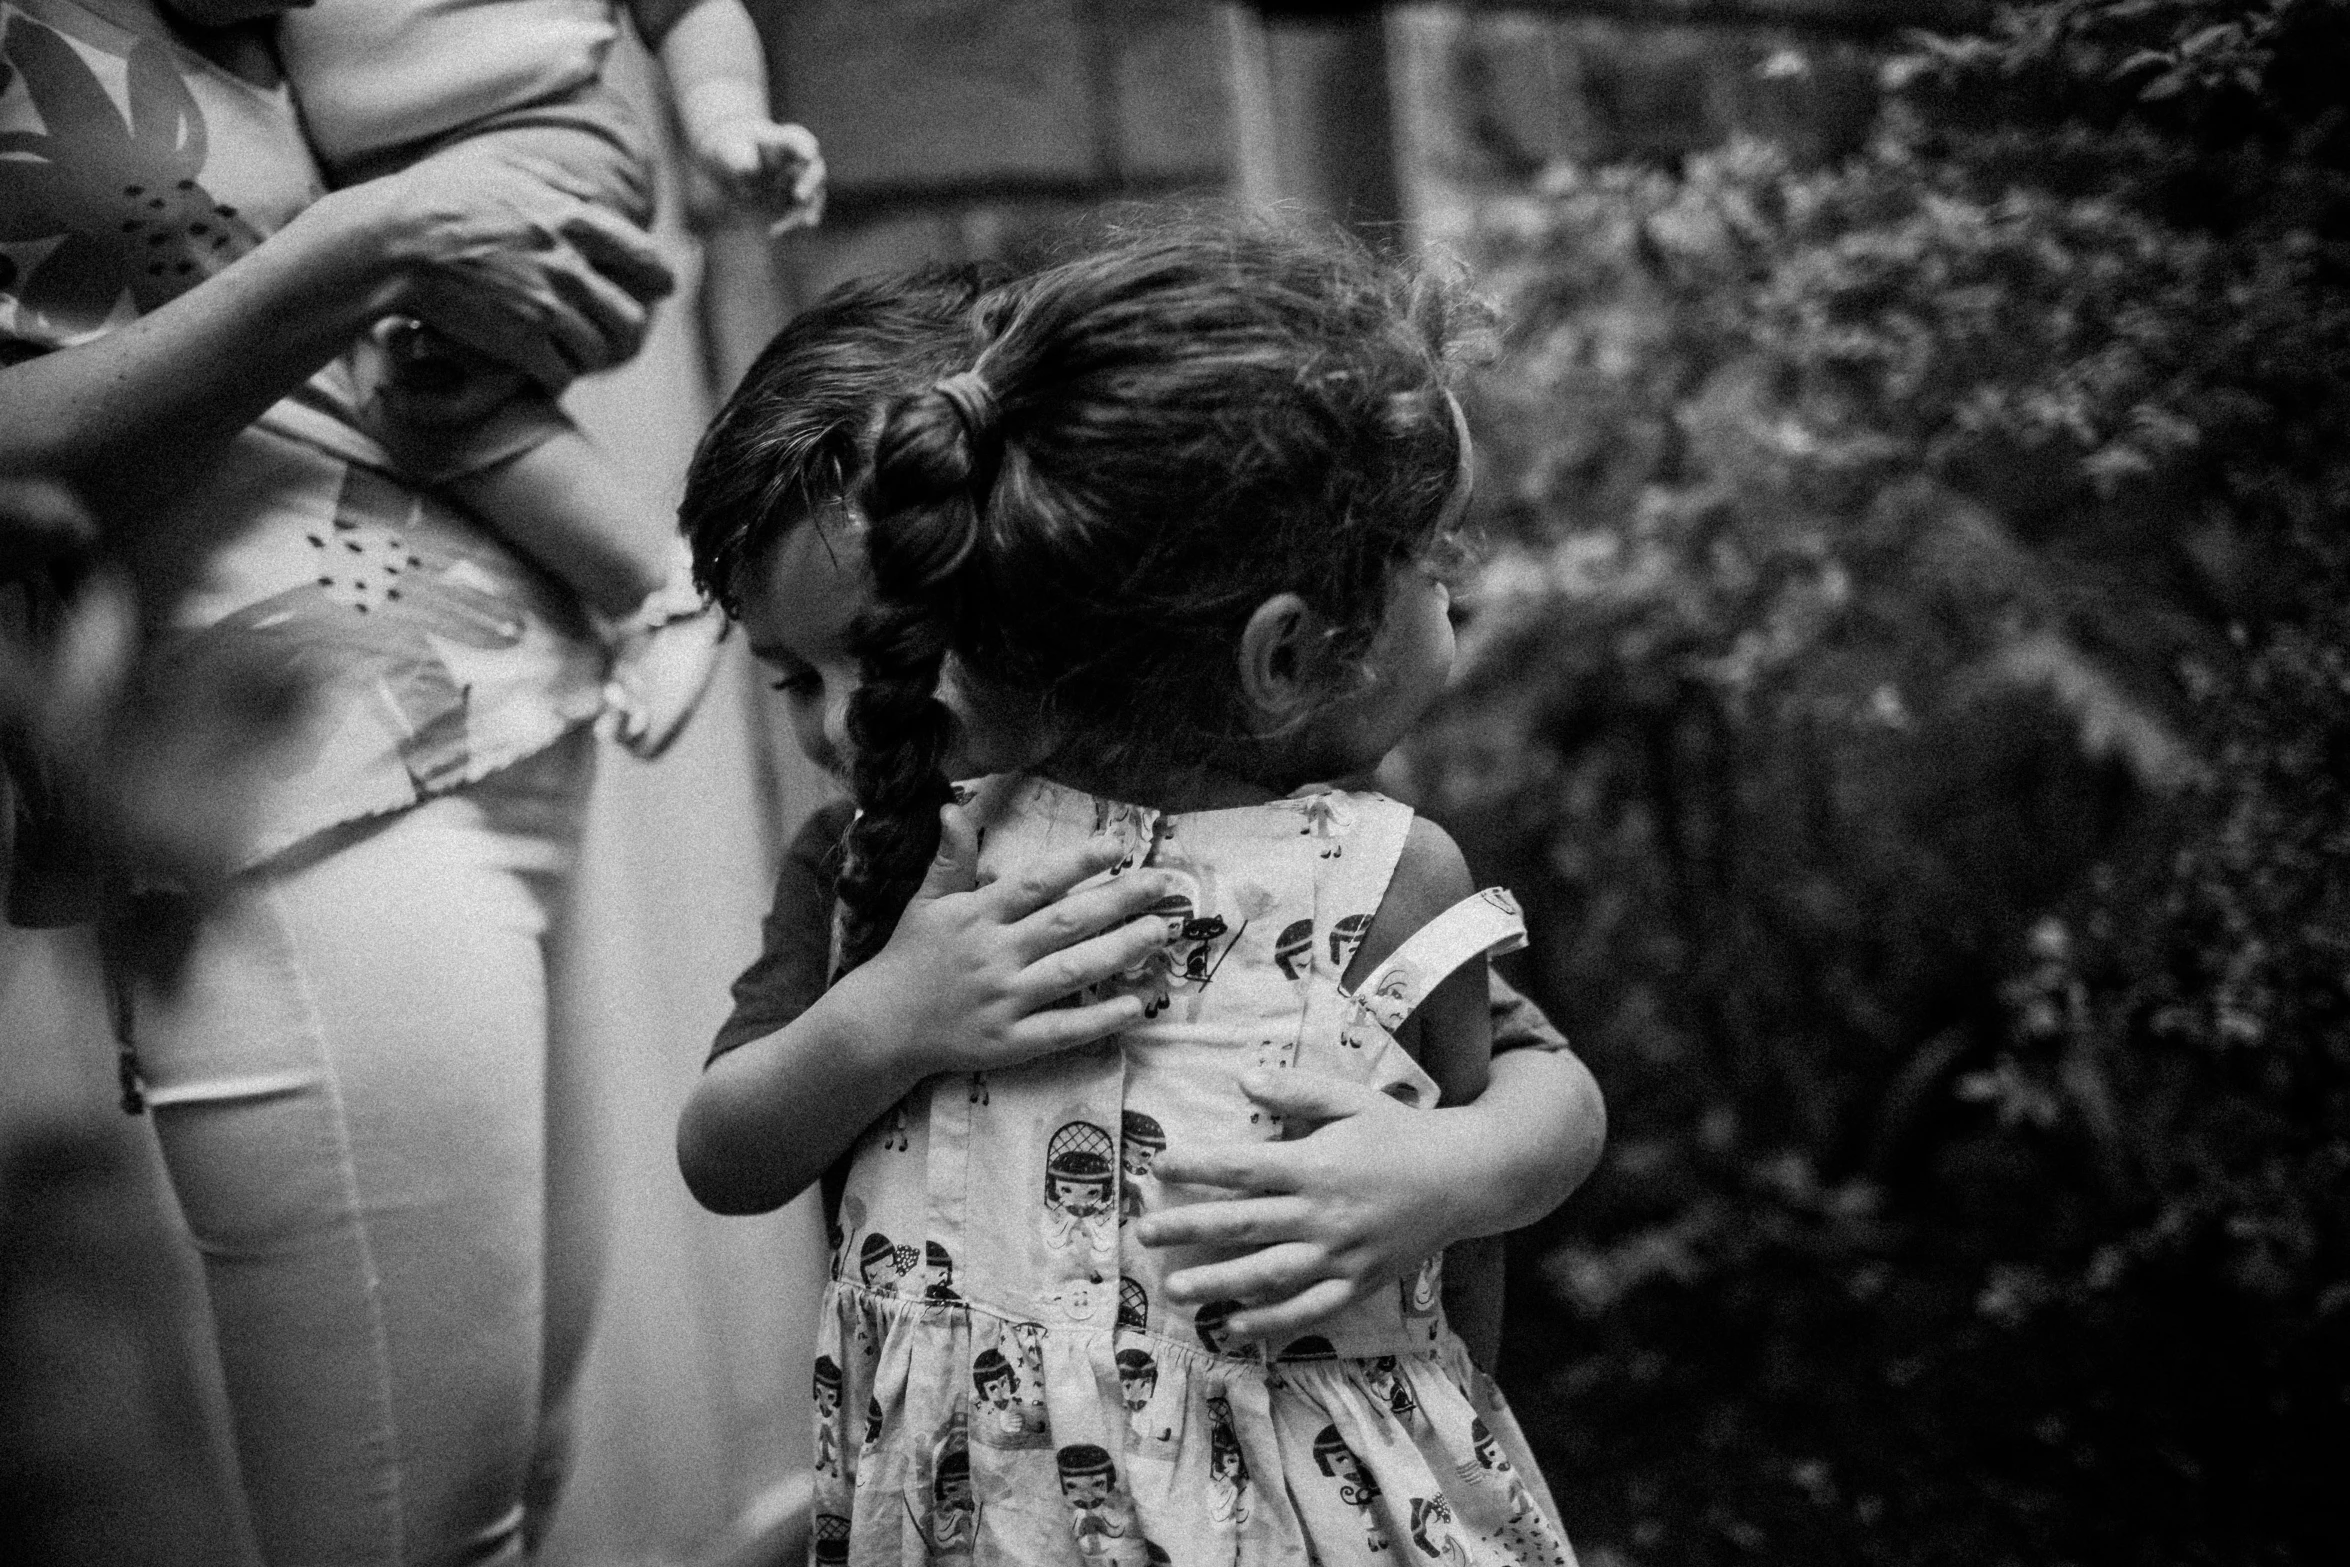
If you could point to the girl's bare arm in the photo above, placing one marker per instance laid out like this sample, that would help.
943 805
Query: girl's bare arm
973 978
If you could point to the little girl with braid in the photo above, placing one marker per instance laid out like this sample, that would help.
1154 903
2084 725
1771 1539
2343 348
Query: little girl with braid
1164 531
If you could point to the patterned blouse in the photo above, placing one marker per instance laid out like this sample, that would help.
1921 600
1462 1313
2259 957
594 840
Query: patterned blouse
132 168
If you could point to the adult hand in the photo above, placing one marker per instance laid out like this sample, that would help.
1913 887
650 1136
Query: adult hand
506 254
976 977
1334 1215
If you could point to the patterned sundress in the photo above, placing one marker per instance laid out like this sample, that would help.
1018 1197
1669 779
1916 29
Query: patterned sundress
1000 1378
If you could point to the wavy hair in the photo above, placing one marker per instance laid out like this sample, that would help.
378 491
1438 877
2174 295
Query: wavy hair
798 433
1150 440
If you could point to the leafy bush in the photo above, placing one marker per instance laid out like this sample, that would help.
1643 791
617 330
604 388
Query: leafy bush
1916 668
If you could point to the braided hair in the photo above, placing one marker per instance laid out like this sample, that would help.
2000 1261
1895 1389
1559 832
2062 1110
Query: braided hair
797 435
1152 439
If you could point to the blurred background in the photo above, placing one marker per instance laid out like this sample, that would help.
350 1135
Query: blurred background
1909 689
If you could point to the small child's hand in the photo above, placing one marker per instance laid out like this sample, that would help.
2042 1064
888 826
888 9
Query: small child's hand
976 978
757 162
1334 1215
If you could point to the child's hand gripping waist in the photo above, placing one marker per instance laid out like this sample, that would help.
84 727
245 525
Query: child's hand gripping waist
1334 1215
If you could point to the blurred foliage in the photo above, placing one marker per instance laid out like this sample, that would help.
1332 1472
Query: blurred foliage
1911 692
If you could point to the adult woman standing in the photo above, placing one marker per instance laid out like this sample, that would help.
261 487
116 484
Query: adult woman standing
350 1082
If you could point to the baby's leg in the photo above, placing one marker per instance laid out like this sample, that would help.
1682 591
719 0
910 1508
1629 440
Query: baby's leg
581 516
587 520
586 143
527 471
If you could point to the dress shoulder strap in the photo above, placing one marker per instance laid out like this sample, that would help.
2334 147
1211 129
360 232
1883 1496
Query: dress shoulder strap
1484 924
1358 839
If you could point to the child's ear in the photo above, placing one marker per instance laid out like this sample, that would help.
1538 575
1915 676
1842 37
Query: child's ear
1287 666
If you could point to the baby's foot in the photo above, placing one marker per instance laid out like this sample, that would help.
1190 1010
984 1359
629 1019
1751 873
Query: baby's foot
661 665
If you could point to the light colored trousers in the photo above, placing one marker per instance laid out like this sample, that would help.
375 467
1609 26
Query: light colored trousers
371 1138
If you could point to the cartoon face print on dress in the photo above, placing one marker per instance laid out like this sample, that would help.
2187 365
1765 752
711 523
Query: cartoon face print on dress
1489 1454
1387 1386
1345 936
1138 1379
1491 1469
1392 999
1154 977
1423 1293
1356 1488
1433 1533
942 1273
827 1400
1009 1408
1293 950
1140 1140
882 1265
1208 1322
1100 1515
994 1380
1007 1380
1228 1494
1078 1204
954 1513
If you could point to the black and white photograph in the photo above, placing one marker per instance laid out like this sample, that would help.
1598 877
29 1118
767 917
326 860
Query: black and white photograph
1174 783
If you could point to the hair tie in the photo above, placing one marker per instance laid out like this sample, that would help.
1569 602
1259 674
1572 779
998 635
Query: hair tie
973 401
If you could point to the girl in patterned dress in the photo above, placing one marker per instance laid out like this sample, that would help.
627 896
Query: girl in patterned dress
1188 502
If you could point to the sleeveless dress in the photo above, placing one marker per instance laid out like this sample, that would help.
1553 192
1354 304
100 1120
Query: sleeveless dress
1000 1378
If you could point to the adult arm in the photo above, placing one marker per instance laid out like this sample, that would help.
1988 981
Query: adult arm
484 249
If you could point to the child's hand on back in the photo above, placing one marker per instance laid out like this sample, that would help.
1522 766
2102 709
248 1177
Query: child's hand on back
976 978
1334 1216
759 163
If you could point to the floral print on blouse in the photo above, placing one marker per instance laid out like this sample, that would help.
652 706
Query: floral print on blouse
132 169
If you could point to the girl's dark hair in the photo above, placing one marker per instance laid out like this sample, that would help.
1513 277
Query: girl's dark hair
1151 440
797 435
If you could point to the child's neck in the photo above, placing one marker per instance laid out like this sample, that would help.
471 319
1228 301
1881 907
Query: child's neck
1206 788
